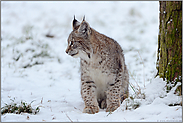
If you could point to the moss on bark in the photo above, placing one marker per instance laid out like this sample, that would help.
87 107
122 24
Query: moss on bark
169 60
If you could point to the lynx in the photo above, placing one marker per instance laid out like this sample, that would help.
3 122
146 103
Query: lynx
104 75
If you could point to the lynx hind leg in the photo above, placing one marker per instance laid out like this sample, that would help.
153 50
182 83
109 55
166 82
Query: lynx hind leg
89 96
113 96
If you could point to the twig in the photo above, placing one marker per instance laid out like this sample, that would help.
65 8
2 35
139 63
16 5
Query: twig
68 117
134 79
109 113
126 120
77 109
132 87
143 68
42 100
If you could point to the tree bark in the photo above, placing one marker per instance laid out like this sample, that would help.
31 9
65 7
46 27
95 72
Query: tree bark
169 57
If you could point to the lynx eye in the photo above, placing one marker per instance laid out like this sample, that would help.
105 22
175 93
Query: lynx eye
71 43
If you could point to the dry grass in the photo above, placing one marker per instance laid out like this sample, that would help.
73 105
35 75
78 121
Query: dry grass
23 107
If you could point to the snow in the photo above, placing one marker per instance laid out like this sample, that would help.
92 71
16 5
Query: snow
54 83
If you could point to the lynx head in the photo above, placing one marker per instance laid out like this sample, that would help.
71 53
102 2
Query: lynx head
79 40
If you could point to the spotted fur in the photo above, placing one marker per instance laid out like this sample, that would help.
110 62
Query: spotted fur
104 75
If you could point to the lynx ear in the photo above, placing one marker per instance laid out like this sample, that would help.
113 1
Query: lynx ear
84 28
84 18
75 24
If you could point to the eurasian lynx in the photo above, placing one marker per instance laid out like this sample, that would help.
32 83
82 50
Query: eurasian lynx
104 75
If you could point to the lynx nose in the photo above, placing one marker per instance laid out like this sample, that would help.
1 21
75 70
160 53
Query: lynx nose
67 51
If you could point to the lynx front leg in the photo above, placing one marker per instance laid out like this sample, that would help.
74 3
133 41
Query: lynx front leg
113 96
88 92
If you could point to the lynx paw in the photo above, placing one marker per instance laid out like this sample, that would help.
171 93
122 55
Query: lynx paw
111 108
91 109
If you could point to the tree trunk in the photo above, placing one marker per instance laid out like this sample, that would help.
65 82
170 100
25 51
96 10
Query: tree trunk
169 57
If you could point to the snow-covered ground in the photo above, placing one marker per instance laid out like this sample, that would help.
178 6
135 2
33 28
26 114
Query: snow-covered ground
36 68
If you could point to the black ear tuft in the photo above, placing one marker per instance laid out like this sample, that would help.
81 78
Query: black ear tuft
84 18
75 23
